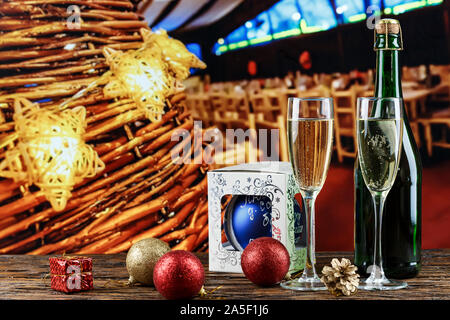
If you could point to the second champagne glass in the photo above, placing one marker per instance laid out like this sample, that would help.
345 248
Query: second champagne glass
379 131
310 141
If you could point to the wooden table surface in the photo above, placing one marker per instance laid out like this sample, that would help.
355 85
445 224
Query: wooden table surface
24 277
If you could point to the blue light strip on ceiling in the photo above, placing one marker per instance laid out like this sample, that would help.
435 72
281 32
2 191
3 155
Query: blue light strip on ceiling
304 28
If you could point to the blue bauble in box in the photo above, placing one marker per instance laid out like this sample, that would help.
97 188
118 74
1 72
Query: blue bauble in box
247 217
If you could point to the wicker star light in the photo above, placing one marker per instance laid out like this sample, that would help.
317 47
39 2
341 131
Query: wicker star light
174 52
50 151
140 75
147 75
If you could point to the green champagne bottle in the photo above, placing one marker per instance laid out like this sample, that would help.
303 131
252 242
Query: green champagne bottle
401 229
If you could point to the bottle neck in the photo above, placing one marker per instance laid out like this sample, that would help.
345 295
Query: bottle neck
388 77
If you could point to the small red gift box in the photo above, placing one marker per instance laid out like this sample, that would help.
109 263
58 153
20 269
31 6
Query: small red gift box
71 274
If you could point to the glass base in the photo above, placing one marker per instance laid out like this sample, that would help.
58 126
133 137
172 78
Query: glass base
304 284
381 284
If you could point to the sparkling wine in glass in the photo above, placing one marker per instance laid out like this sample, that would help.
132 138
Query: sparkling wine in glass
379 133
310 141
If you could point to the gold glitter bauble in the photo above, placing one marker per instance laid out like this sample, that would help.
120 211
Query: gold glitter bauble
142 258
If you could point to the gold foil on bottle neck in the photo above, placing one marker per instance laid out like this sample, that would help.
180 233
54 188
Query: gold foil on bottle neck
387 27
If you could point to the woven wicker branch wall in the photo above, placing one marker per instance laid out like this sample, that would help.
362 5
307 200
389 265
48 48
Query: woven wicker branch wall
141 192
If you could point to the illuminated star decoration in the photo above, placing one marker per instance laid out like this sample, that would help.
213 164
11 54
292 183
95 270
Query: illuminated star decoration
151 73
174 53
147 75
140 75
50 152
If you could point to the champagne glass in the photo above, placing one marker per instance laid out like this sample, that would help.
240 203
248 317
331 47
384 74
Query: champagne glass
310 141
379 131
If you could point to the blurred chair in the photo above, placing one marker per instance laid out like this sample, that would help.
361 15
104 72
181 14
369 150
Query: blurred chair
415 100
200 107
193 85
281 147
315 92
269 113
240 103
363 90
439 120
253 87
232 111
244 119
344 123
276 103
223 108
442 92
220 112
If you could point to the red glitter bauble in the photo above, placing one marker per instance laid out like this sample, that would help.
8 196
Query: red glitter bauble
178 275
265 261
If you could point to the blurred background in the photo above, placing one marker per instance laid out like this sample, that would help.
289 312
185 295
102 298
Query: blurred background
259 53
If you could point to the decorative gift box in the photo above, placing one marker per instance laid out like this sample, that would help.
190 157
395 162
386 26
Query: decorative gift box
249 201
71 274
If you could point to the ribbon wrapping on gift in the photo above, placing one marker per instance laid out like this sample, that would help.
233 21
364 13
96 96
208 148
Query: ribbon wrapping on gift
71 274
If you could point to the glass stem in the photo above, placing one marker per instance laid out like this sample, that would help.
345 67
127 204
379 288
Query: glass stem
310 271
377 269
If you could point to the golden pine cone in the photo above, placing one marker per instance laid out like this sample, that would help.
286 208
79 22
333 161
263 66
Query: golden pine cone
341 278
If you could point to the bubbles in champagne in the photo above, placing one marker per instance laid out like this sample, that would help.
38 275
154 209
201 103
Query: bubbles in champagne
310 143
379 152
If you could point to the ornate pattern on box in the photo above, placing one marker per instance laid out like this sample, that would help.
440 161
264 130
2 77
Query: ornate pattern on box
228 181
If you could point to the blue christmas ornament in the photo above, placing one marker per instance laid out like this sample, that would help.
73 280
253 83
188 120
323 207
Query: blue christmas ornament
247 218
